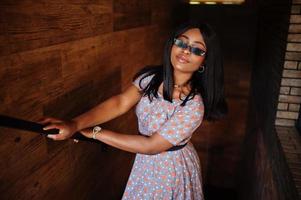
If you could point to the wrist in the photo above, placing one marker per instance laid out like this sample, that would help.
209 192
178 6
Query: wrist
87 132
74 125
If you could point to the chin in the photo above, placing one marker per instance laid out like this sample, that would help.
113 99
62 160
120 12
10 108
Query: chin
184 68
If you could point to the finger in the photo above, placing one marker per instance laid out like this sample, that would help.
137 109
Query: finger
44 120
47 120
51 136
51 126
56 137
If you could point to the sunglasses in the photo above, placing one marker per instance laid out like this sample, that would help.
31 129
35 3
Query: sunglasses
194 50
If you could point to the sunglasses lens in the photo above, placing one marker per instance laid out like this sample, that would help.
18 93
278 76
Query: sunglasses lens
197 51
194 50
180 43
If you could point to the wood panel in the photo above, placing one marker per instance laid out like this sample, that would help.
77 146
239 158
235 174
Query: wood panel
131 13
60 58
21 154
28 25
47 179
23 77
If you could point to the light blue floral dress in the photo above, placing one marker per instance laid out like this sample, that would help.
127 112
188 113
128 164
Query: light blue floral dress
171 174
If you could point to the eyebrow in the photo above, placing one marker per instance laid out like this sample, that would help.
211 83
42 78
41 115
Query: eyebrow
199 42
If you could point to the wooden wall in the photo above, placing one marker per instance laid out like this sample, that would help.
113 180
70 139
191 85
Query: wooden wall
60 58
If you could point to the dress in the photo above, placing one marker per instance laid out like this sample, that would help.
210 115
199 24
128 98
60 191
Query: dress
168 175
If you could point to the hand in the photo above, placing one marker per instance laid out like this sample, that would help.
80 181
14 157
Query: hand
66 128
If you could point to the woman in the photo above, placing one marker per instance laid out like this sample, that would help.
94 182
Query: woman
173 99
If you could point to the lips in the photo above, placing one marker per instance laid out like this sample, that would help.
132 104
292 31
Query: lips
182 59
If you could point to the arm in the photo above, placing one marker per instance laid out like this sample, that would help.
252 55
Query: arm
131 143
109 109
177 129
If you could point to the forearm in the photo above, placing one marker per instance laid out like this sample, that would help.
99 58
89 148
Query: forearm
103 112
131 143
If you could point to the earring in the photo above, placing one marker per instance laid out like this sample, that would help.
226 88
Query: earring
201 69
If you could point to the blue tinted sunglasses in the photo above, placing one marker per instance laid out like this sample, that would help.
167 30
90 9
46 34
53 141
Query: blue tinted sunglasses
194 50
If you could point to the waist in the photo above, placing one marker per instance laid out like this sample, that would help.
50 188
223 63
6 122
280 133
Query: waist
173 148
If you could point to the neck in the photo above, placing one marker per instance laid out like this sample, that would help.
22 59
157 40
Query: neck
181 79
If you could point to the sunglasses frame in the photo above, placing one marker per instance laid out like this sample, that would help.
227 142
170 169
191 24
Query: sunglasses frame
183 45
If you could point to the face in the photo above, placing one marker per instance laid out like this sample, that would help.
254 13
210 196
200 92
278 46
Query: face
184 59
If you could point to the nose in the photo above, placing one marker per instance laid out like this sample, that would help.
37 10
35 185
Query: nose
186 50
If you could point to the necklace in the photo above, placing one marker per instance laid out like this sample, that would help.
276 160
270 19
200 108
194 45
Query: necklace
180 86
177 86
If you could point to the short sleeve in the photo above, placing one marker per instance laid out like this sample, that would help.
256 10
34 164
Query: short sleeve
179 128
144 81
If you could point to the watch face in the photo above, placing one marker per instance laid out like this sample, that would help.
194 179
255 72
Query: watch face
96 129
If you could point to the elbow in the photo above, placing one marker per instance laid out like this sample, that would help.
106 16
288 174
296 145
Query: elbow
154 145
122 105
119 105
151 149
147 150
143 147
150 152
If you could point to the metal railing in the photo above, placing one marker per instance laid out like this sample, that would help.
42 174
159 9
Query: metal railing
12 122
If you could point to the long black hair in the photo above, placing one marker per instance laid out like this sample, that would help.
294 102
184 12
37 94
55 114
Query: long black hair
209 84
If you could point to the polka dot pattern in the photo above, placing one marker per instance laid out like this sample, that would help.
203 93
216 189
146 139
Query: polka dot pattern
172 174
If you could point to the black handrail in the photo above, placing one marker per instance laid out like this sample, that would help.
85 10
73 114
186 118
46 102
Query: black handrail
12 122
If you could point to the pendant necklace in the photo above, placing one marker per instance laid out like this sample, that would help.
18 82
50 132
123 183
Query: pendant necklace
180 88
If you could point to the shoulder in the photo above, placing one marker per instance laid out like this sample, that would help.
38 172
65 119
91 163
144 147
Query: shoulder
145 75
142 81
198 99
194 109
195 104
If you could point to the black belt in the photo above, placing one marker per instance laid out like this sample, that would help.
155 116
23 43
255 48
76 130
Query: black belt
174 148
